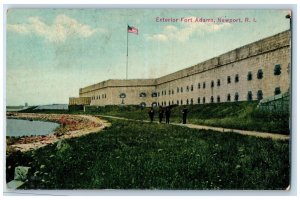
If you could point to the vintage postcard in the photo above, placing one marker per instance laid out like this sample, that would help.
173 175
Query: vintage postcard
148 99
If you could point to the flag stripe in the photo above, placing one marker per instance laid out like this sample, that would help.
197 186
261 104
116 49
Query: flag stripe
132 29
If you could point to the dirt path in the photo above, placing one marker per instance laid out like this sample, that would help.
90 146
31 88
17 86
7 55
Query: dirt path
76 126
274 136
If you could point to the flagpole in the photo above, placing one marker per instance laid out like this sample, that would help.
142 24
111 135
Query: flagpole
127 55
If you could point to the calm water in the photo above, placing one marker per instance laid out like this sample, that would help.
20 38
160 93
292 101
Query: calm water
19 127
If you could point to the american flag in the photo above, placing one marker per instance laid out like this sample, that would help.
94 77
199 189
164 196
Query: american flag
132 29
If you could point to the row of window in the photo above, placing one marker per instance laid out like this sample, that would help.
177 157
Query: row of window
99 97
259 96
277 71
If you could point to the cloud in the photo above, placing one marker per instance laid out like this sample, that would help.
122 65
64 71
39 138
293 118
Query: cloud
59 31
172 33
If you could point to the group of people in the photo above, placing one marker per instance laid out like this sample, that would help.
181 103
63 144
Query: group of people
167 112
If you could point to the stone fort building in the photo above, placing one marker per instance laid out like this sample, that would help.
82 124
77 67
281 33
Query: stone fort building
251 72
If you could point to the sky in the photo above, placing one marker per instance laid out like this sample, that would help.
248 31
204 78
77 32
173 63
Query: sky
51 53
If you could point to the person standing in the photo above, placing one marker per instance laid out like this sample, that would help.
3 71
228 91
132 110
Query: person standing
151 114
160 114
184 115
168 113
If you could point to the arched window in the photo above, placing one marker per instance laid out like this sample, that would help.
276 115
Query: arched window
228 79
236 78
212 84
203 85
177 102
203 100
187 102
199 85
249 96
122 95
192 101
218 82
236 96
218 99
211 99
260 74
143 94
228 97
192 87
198 100
154 94
249 76
143 104
277 91
154 104
277 70
259 95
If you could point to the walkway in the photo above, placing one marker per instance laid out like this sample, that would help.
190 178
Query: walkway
202 127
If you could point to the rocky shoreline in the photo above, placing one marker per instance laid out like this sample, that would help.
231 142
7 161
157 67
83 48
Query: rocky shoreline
70 126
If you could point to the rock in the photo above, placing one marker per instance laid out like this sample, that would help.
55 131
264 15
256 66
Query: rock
21 173
14 184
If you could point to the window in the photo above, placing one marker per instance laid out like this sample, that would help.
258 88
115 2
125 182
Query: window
218 99
277 70
162 93
199 85
172 91
203 100
218 82
154 104
187 88
228 79
143 104
154 94
203 85
122 95
228 97
177 102
260 74
249 76
178 90
181 102
236 96
165 103
236 79
192 87
158 94
198 100
143 94
277 91
181 89
187 102
158 103
192 101
211 99
212 84
249 96
259 95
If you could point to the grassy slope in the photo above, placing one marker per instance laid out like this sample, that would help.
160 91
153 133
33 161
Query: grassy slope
139 155
238 115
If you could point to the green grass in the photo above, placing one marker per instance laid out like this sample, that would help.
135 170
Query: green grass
136 155
237 115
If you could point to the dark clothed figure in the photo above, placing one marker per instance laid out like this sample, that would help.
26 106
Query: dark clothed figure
151 114
184 115
168 113
160 114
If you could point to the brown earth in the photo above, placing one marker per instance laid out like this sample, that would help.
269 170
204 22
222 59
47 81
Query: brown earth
70 126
